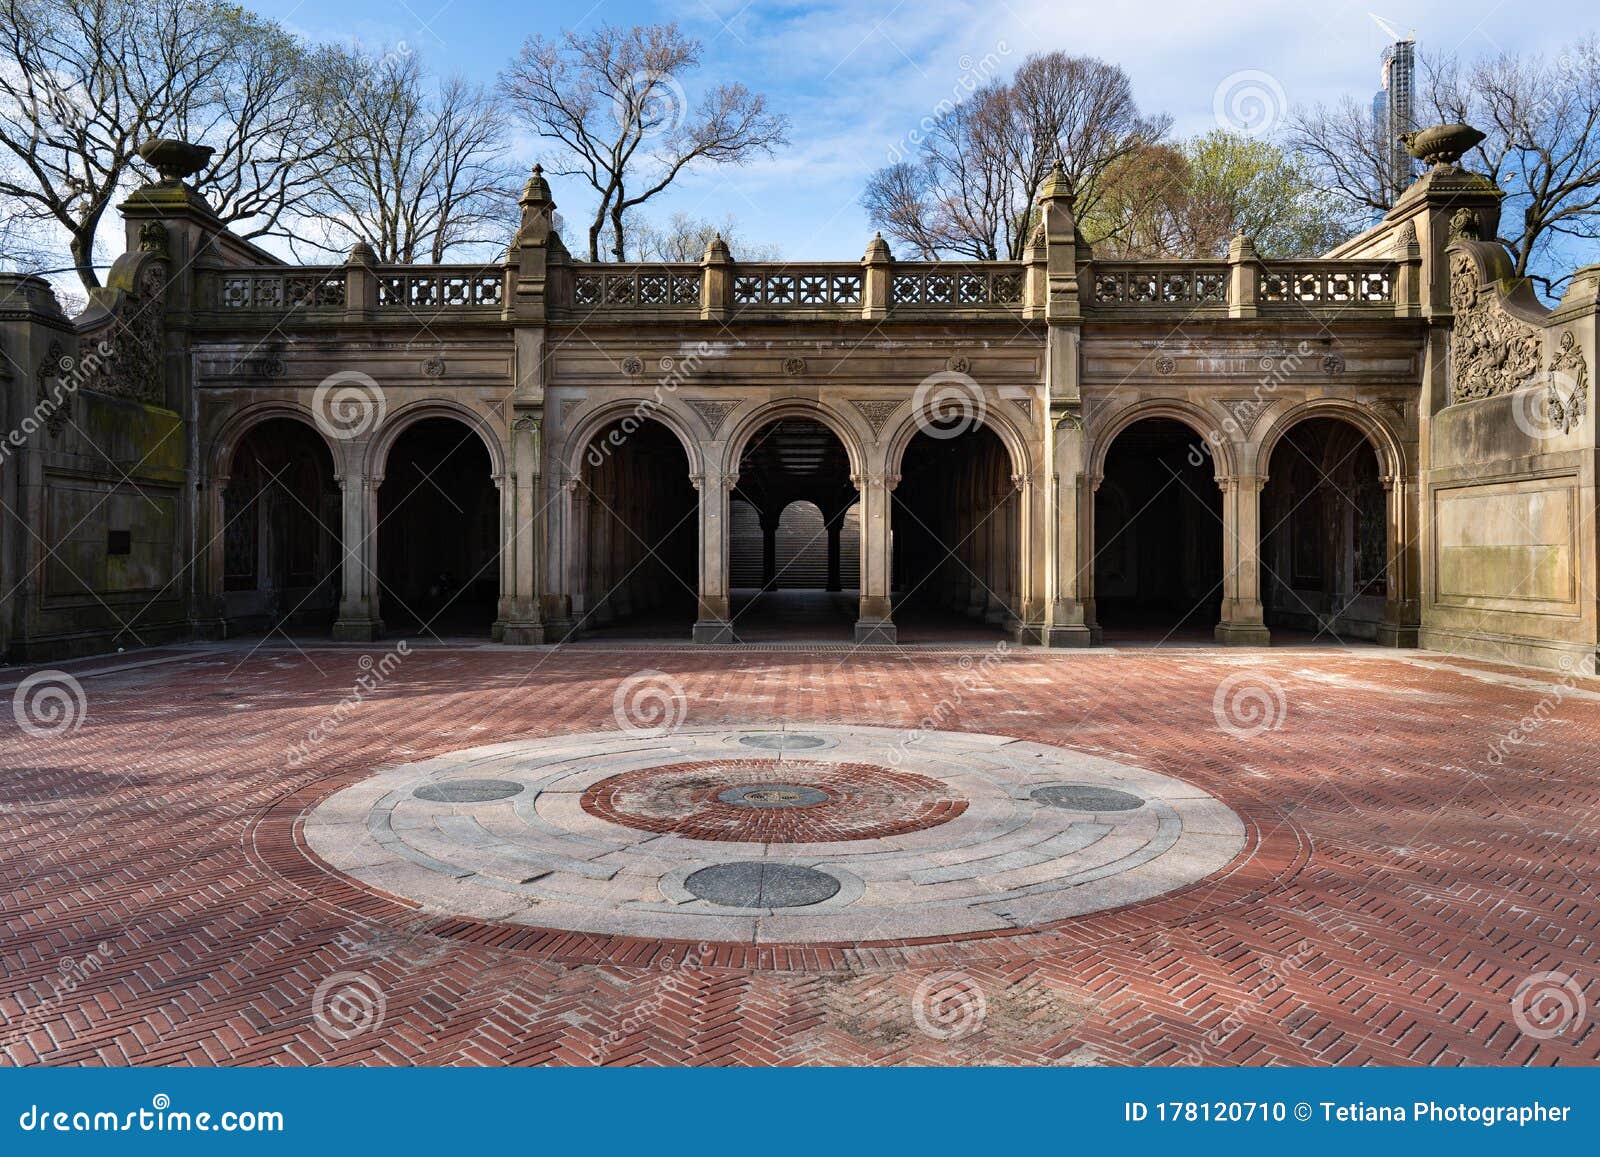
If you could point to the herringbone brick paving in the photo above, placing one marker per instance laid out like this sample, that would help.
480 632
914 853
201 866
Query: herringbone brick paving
1399 886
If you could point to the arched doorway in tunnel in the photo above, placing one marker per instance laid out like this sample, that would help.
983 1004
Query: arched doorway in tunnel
795 537
439 531
281 519
1324 532
1158 546
636 522
957 535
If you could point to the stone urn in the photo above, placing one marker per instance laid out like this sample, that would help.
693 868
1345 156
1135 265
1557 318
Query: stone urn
1441 144
174 160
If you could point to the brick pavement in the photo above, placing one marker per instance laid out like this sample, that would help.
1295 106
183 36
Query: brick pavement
1407 872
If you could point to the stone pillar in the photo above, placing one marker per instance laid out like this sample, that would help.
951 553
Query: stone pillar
835 526
712 621
210 615
360 620
1241 620
1072 508
769 552
877 274
1402 605
520 535
1244 277
876 623
555 602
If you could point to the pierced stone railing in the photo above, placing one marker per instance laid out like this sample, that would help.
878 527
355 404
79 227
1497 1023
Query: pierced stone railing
277 290
636 287
789 285
1329 283
946 284
283 289
1159 284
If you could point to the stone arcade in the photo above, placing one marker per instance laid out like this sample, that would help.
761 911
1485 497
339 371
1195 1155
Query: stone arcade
1393 442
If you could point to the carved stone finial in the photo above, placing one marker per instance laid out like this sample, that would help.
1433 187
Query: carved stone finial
1056 185
878 251
174 160
1441 145
362 254
536 193
717 251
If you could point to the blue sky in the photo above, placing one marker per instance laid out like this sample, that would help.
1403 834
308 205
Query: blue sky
855 77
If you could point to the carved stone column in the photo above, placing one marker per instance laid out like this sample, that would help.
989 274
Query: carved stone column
521 530
712 622
1402 620
876 624
360 619
210 607
834 527
1071 510
1241 622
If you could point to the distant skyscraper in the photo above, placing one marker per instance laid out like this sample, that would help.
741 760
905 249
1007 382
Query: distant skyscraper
1392 115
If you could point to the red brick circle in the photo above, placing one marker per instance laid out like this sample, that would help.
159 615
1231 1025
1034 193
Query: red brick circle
865 802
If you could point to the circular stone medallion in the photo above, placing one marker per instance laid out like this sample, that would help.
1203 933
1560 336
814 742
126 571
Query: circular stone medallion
468 790
773 795
783 741
761 884
1086 797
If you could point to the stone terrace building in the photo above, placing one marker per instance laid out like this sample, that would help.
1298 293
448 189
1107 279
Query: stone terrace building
1393 442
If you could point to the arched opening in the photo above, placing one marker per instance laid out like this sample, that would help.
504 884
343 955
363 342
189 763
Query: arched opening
281 530
637 533
1324 533
1158 536
795 537
439 531
957 536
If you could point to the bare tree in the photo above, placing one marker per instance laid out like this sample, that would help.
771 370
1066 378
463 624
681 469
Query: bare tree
415 171
84 82
684 238
1541 120
971 189
612 101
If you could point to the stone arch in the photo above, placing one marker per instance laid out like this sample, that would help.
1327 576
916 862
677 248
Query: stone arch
849 435
399 421
1204 425
237 425
1384 442
598 417
1014 439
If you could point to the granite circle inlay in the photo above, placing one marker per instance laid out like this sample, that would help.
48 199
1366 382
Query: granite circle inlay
762 884
1086 797
948 836
468 790
783 741
773 795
